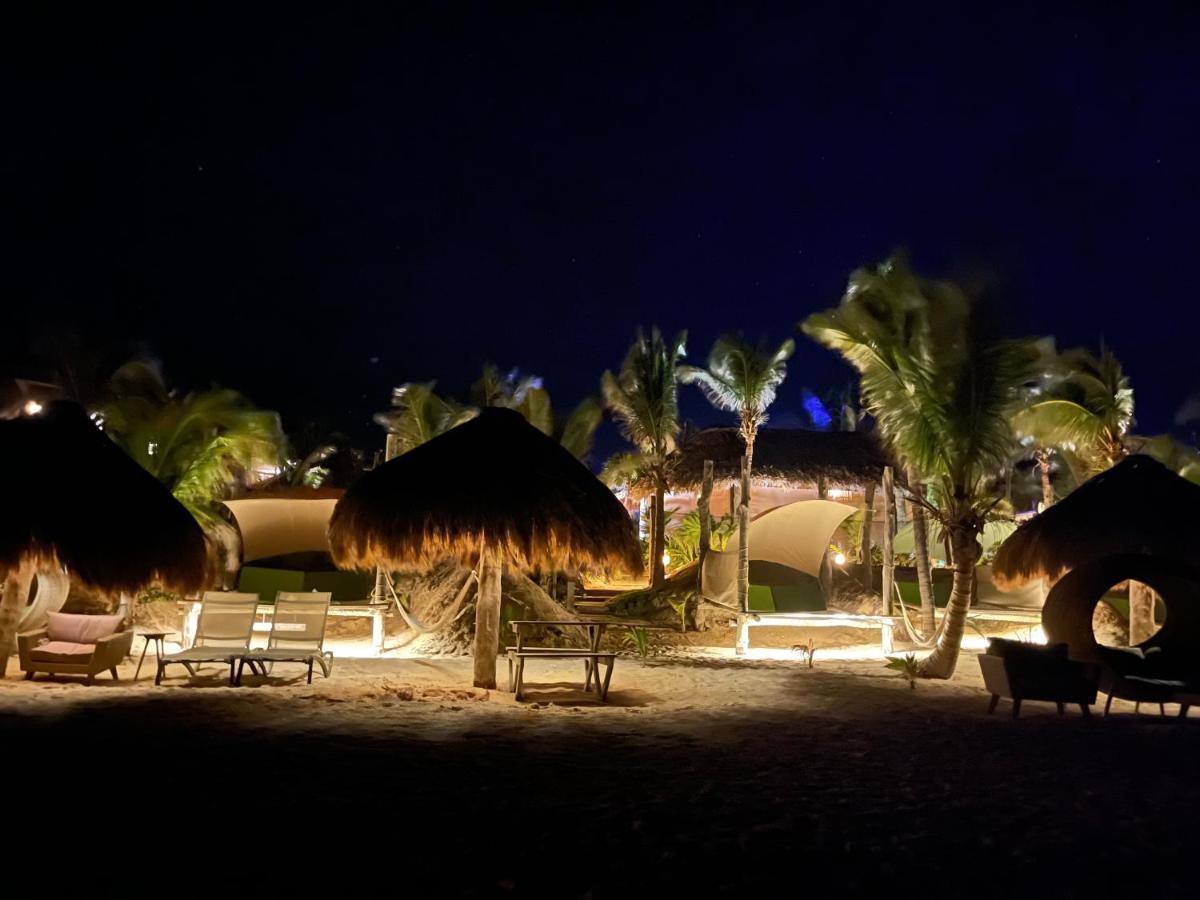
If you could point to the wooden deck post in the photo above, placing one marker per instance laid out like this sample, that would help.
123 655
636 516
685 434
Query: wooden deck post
889 560
487 618
704 505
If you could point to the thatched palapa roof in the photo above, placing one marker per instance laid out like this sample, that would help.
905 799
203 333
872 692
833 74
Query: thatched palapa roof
496 478
783 457
1137 507
73 498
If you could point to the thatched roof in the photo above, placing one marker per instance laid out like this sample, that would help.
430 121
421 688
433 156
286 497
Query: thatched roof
783 457
73 498
1138 506
495 477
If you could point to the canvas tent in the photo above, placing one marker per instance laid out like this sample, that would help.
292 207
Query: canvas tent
794 536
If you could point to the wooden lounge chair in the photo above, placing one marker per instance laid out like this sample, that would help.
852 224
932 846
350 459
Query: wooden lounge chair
75 645
222 633
297 634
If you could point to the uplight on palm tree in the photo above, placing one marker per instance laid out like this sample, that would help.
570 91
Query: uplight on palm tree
942 390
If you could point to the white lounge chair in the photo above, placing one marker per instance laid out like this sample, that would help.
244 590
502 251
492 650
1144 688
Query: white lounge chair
222 633
297 634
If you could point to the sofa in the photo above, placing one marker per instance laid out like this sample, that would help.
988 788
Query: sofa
75 645
1018 671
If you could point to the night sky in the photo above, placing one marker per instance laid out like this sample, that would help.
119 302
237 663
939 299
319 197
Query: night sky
314 209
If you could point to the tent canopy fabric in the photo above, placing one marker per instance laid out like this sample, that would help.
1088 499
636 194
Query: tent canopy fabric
277 526
796 535
994 534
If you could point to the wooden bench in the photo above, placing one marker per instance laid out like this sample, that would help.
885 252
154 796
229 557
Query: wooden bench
591 662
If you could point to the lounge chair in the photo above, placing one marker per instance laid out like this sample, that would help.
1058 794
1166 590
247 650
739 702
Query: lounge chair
1146 675
297 634
75 645
1019 671
222 633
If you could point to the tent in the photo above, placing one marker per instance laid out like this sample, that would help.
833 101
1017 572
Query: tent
285 545
787 539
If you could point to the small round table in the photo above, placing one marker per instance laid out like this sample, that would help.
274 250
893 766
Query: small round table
147 637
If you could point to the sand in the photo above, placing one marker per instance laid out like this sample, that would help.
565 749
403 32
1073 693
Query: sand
704 774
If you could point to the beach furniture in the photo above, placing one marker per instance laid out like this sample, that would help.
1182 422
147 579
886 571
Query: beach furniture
297 634
1018 671
222 633
75 645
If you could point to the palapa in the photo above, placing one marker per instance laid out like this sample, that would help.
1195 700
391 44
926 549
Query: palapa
494 487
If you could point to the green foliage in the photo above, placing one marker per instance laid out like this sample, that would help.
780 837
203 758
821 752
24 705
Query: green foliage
907 666
419 415
940 387
1084 405
683 540
201 446
741 378
644 396
157 594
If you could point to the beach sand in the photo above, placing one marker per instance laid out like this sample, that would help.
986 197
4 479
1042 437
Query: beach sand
704 774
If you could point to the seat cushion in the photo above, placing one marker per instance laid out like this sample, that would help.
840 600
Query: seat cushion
76 629
63 652
1009 649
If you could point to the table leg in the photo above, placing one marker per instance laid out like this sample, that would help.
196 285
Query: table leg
145 647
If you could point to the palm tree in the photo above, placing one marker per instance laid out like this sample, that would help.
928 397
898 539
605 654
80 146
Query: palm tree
942 392
202 446
644 397
418 415
1086 407
526 395
742 379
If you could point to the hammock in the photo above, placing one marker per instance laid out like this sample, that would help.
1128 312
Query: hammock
913 635
456 611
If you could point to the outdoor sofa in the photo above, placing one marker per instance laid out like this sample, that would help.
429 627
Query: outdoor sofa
1018 671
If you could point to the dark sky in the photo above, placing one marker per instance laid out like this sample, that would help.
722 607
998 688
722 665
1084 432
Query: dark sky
315 208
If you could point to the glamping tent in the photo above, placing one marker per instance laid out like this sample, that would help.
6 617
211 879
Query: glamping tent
787 548
285 545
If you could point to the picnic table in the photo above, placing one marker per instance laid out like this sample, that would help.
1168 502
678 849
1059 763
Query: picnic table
595 625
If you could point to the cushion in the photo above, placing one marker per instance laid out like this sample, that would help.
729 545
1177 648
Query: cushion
75 629
1003 647
63 652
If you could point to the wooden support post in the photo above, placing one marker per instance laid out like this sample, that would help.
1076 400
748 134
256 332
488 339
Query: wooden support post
866 571
487 618
704 508
889 559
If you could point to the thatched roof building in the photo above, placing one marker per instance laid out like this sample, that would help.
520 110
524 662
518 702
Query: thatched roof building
1137 507
495 478
73 498
783 457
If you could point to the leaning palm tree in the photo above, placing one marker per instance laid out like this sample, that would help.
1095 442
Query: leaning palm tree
644 397
942 392
742 379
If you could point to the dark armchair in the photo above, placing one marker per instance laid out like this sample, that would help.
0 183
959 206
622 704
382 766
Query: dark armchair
1018 671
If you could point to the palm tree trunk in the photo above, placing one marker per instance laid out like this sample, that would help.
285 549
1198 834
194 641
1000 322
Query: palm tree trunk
889 533
921 552
659 538
866 575
1043 464
16 593
1141 613
744 539
944 658
487 618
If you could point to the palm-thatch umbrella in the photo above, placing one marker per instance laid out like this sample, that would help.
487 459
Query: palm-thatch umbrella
1139 506
491 491
73 499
